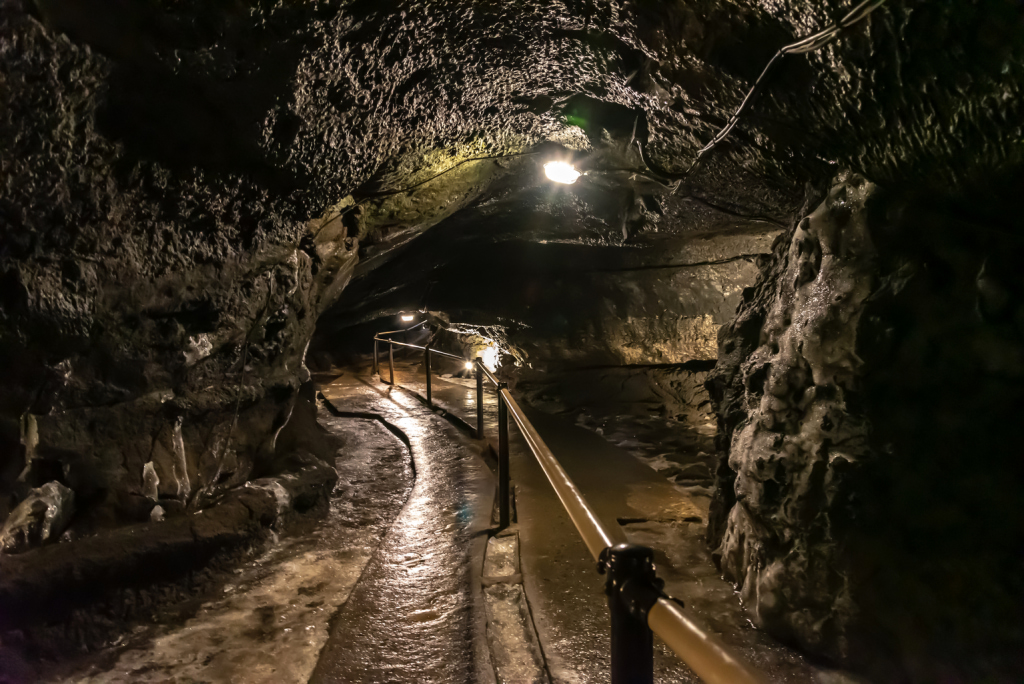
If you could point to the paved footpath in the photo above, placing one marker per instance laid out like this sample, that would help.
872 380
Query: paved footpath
416 613
565 593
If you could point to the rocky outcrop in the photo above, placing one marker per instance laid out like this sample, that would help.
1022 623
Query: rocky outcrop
793 446
154 319
39 519
876 356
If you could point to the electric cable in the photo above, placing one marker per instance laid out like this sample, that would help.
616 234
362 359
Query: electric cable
802 46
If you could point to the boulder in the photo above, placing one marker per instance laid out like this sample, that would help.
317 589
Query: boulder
39 519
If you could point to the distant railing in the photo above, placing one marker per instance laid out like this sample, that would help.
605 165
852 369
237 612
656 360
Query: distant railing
639 608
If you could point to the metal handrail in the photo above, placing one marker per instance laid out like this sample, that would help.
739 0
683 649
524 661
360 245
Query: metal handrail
638 606
392 332
489 375
417 346
708 657
595 535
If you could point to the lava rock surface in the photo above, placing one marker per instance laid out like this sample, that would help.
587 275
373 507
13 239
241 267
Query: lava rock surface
877 355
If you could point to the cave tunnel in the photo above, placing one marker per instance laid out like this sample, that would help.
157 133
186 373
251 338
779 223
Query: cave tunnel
340 338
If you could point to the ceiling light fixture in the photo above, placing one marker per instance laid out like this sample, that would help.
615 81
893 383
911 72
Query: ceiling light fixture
561 172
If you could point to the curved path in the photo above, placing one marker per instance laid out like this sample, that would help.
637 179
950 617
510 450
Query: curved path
416 615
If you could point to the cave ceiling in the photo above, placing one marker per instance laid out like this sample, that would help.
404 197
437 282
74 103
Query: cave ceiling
242 120
339 98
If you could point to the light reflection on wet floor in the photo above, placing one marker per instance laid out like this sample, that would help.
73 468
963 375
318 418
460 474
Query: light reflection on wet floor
415 615
566 594
269 621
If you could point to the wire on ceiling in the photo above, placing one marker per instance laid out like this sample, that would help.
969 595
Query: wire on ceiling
802 46
401 191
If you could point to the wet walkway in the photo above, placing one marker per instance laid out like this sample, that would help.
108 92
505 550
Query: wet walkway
268 621
565 593
416 613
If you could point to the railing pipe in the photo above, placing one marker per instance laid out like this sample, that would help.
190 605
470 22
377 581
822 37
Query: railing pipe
479 364
702 652
420 347
426 372
707 657
392 332
376 363
504 516
595 535
489 375
391 362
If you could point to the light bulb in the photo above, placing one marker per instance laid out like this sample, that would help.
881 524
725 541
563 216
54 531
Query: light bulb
469 365
561 172
407 317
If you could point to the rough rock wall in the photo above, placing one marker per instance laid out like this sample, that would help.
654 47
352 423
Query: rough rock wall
150 148
661 316
152 324
876 358
789 459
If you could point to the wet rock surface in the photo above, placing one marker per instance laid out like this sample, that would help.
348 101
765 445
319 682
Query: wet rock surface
417 613
187 187
151 314
849 408
789 458
39 519
263 617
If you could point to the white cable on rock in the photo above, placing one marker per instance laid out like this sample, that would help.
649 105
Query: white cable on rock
802 46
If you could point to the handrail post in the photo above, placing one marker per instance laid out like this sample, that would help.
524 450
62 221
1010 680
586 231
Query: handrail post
504 517
426 371
391 361
479 398
632 588
376 363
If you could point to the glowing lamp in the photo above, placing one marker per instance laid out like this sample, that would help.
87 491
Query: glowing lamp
469 365
561 172
407 317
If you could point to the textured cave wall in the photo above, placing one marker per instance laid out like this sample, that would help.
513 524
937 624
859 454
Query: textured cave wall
867 395
610 330
648 316
164 164
790 442
151 319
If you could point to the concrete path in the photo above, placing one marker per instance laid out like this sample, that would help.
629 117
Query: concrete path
565 593
267 621
416 614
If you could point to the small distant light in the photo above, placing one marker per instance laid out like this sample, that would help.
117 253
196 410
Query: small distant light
561 172
469 365
407 317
